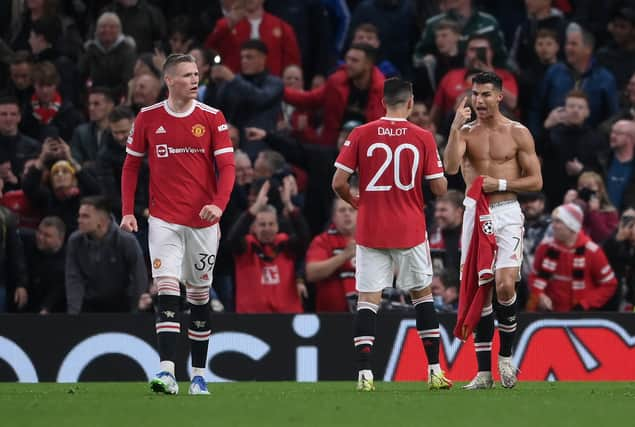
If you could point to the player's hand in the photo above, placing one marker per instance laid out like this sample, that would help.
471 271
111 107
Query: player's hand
463 114
211 213
489 184
349 250
255 134
544 303
129 223
302 290
20 297
354 201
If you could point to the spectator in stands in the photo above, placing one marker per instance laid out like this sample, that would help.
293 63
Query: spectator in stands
20 82
88 137
445 291
432 67
570 272
445 237
619 56
317 160
47 108
15 147
619 166
628 110
546 51
367 33
141 20
251 98
600 216
110 159
44 33
46 259
145 91
17 202
180 37
540 16
572 146
13 287
204 60
580 71
329 261
620 251
300 123
478 57
105 268
396 22
472 22
420 116
353 92
266 280
109 58
56 182
248 20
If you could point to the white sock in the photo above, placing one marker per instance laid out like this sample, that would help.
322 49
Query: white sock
366 373
198 372
435 368
168 366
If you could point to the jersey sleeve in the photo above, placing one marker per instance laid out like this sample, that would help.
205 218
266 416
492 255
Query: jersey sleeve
433 166
221 143
347 159
137 145
318 250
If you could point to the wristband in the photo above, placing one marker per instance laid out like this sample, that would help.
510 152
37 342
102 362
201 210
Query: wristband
502 184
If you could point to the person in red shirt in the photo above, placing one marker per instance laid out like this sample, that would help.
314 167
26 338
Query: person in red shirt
353 92
330 260
478 57
498 156
570 271
265 258
246 20
392 158
188 146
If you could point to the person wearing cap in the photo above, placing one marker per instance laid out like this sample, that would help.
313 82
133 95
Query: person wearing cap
570 272
619 55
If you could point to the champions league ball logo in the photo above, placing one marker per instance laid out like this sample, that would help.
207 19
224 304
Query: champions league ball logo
487 227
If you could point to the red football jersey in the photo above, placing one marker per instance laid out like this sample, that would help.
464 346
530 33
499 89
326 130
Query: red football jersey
181 148
392 157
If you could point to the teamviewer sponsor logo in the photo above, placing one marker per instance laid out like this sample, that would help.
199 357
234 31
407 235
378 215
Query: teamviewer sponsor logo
162 150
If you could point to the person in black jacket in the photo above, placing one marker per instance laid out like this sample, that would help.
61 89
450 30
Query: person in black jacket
620 252
317 160
13 290
45 258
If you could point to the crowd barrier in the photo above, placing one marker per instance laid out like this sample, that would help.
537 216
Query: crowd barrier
307 347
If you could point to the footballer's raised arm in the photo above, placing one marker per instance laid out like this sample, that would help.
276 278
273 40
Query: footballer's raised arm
455 150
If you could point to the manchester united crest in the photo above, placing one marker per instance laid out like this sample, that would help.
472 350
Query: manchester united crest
277 32
198 130
156 263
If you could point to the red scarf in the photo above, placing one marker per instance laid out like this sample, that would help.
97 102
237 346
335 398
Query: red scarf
45 113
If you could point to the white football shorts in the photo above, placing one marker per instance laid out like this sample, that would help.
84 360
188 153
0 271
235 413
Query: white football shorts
187 253
375 268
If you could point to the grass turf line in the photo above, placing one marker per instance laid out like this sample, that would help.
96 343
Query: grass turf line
317 404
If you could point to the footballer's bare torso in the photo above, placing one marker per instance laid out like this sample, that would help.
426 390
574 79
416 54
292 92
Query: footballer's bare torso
493 151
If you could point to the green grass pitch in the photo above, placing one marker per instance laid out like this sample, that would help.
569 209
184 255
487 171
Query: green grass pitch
318 404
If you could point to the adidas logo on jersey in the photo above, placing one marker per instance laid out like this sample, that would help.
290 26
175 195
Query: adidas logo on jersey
160 130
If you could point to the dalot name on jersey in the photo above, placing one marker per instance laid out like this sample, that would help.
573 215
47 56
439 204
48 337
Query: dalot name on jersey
391 132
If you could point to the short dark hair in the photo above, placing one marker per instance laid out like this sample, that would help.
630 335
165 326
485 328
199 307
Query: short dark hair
21 57
100 203
548 33
255 44
367 27
121 112
175 59
48 27
448 24
577 93
55 222
454 197
477 36
397 91
371 52
488 77
9 100
207 54
45 73
103 90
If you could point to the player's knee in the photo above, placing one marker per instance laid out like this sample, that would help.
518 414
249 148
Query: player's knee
197 295
505 289
167 286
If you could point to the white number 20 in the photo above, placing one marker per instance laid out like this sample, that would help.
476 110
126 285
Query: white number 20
372 185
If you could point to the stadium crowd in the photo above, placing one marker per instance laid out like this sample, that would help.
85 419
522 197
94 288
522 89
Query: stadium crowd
293 78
